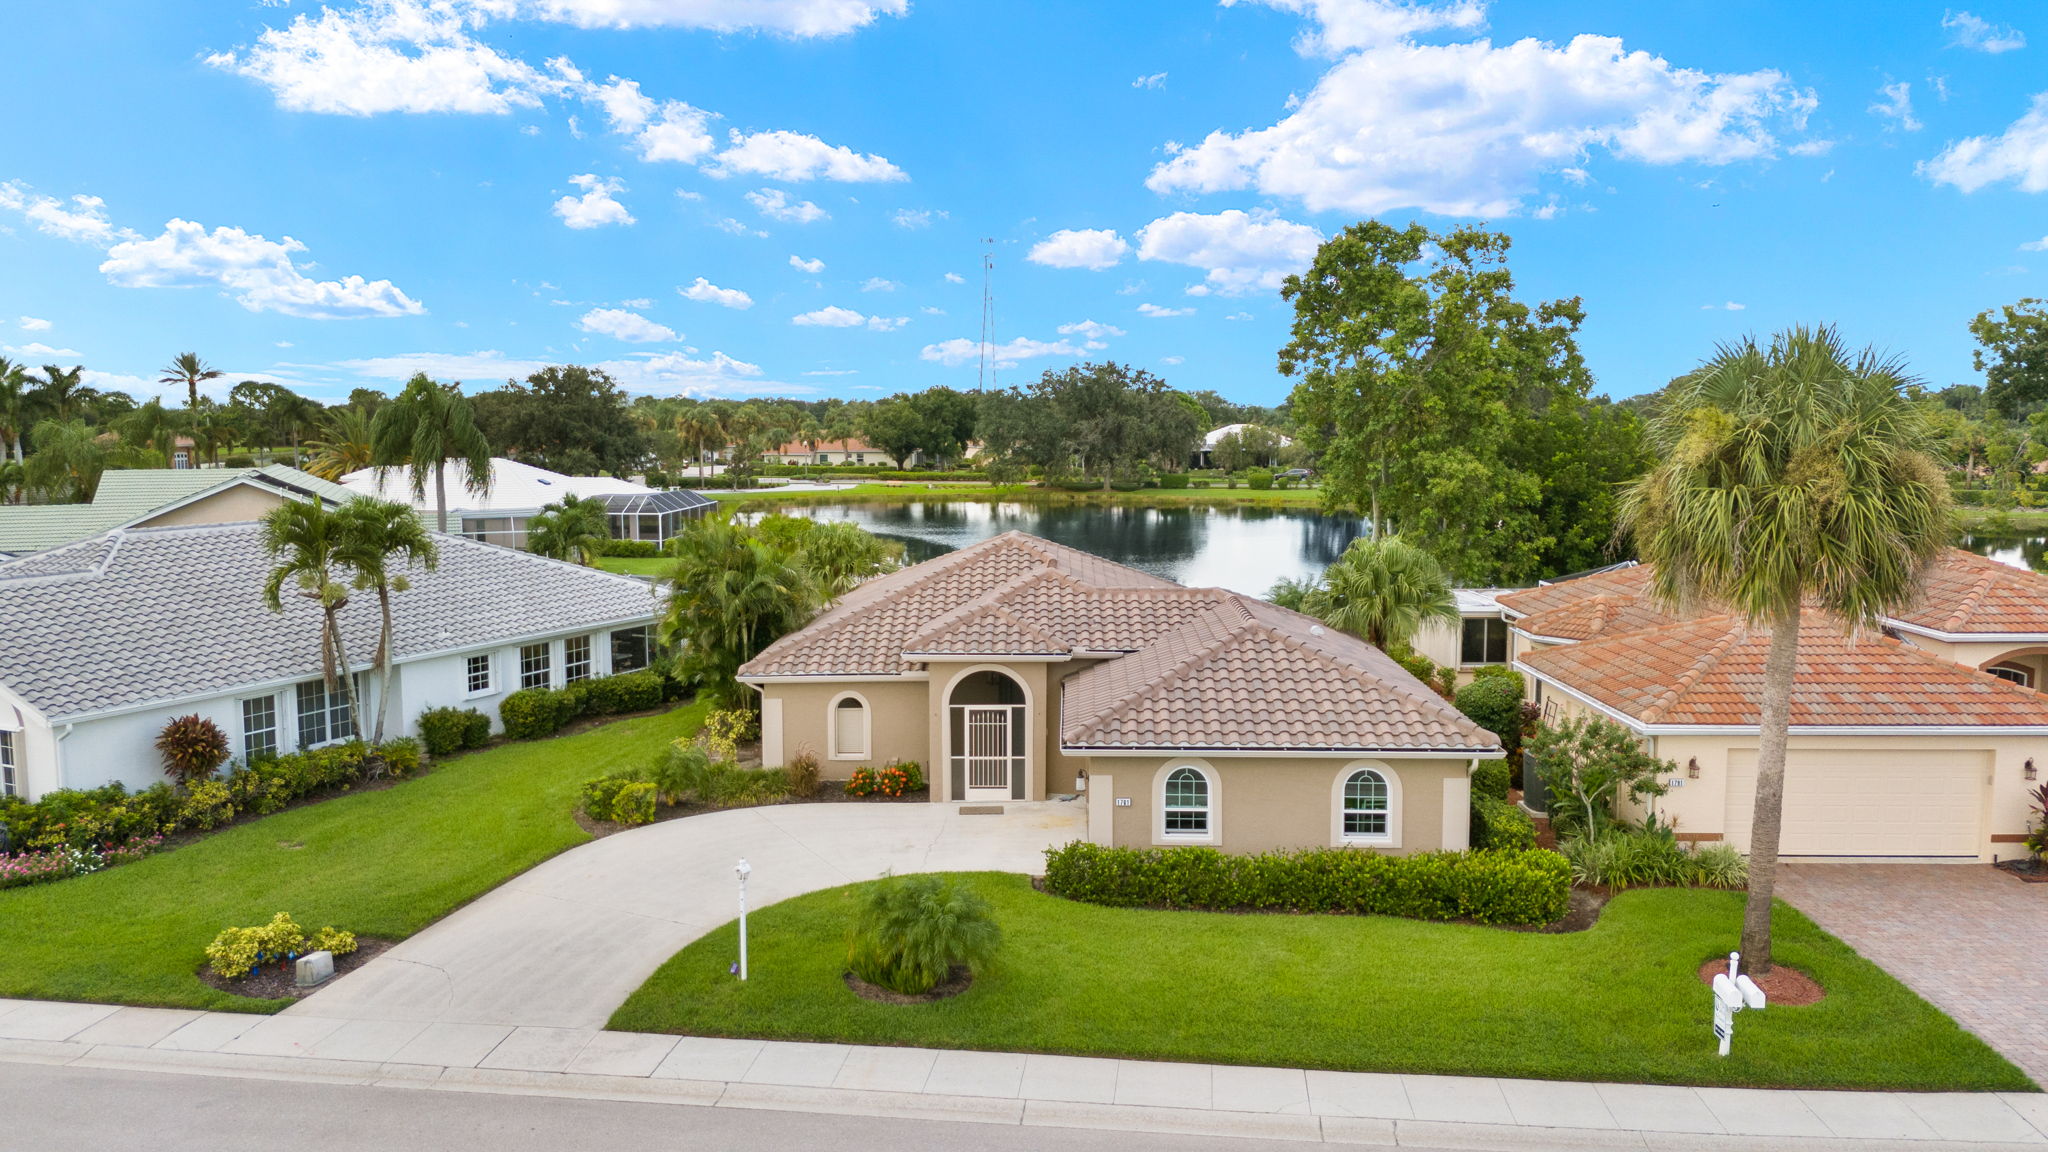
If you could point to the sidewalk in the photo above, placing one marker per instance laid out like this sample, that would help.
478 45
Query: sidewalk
1006 1088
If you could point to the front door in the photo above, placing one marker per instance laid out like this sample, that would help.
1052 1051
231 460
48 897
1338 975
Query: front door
988 751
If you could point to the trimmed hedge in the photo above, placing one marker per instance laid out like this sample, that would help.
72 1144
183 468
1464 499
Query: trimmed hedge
1175 480
1500 825
446 731
534 712
1490 779
531 713
637 548
1486 887
621 798
1258 479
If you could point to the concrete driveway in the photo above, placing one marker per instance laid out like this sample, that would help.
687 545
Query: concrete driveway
1966 937
564 944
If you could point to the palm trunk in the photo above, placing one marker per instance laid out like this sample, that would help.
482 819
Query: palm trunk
348 682
441 497
383 661
1768 819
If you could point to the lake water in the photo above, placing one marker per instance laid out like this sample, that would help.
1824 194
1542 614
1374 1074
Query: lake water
1243 549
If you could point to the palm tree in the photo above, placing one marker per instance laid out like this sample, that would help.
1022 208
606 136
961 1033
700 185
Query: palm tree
576 530
1385 590
67 462
701 424
729 595
840 554
213 427
344 446
1792 474
373 535
62 391
422 430
14 406
154 428
188 369
307 541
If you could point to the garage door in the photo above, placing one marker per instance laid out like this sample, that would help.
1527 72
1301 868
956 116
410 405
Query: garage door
1854 802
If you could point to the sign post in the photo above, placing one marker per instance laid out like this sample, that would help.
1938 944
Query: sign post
1732 993
743 871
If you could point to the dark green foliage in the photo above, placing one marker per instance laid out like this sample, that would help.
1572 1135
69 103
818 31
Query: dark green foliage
565 417
1487 887
620 798
476 728
2012 352
1258 479
639 548
444 730
1106 421
913 930
1498 824
1653 857
1490 778
1589 764
531 713
1494 702
626 692
239 461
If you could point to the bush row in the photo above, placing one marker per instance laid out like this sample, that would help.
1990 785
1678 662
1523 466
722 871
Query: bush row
1488 887
1501 825
1653 857
534 712
446 731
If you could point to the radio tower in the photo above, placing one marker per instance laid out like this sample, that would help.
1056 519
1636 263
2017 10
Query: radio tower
985 376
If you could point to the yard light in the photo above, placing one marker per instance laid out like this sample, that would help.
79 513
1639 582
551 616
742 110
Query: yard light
1692 768
743 871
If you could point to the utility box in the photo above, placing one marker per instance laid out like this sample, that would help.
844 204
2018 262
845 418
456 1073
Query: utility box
314 969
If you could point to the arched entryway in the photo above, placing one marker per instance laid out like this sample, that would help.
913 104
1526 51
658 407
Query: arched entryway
987 737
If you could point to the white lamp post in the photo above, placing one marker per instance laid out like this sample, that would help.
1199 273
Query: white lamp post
743 871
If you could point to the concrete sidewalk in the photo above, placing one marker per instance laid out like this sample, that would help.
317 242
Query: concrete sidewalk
1007 1088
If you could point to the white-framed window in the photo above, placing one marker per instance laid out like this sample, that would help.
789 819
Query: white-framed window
10 763
536 665
851 725
1185 802
2018 674
1368 807
575 659
1483 640
259 728
477 674
632 648
323 713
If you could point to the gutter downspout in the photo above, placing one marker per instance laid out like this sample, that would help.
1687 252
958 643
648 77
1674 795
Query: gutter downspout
57 746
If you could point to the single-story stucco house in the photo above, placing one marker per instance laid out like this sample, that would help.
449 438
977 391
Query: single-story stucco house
103 641
1017 669
160 497
1920 740
828 452
517 492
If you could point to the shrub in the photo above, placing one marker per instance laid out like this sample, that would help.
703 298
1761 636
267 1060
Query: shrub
639 548
1258 479
192 747
208 805
402 757
1174 479
1652 857
239 951
239 460
476 729
1494 702
688 773
892 781
913 774
1499 824
446 731
912 931
1589 764
1490 779
531 713
1489 887
626 692
599 798
1199 483
803 772
726 729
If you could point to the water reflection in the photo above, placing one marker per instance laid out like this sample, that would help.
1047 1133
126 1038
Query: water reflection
1243 549
2016 549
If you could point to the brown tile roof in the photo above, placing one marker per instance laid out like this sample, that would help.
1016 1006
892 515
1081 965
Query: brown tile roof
1710 671
799 448
1602 614
1970 593
1633 580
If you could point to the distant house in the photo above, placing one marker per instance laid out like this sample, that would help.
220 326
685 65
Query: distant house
157 497
1204 456
106 639
518 492
833 452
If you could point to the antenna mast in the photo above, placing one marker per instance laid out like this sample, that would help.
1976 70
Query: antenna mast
985 376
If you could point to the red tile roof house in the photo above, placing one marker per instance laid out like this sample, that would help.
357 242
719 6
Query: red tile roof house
1919 740
831 452
1019 669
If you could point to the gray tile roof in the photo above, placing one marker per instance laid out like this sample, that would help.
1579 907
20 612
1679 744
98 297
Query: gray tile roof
126 495
151 614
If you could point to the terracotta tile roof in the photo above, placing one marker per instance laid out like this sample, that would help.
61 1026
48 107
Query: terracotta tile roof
799 448
1971 593
1710 671
1633 580
1602 614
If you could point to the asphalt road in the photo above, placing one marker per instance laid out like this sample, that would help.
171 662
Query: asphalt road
56 1109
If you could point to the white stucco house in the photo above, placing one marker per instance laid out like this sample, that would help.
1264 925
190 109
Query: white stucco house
104 640
517 492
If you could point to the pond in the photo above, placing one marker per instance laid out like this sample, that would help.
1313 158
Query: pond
2021 550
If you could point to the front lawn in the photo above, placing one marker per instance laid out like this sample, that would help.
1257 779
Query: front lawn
383 863
636 565
1618 1002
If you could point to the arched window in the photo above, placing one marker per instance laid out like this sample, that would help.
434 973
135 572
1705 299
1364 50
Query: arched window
1186 803
2016 673
849 721
1368 806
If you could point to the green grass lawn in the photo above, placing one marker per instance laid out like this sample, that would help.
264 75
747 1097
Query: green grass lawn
1620 1001
636 565
2002 519
911 491
383 863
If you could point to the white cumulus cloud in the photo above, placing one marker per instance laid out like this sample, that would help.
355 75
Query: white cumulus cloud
34 324
795 18
1894 106
1092 334
705 292
960 350
596 207
2040 245
776 204
1239 252
80 218
2019 154
913 219
1093 248
620 324
1155 80
794 157
259 272
955 278
837 317
877 284
1160 312
812 267
1981 35
1730 306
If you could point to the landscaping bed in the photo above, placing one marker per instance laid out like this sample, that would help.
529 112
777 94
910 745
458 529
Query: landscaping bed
280 981
829 792
1619 1001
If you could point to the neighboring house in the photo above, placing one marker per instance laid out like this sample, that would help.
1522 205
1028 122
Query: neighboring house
832 452
1017 668
1215 436
1917 741
1479 638
107 639
518 492
157 497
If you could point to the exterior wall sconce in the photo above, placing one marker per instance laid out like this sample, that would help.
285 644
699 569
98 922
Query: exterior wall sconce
2030 768
1692 768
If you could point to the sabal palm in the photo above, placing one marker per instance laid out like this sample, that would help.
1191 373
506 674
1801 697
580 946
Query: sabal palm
306 539
426 427
575 530
1794 473
14 406
699 425
840 554
1384 590
67 462
188 369
344 446
379 540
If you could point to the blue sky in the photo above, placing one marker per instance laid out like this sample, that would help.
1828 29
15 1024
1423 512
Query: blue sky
741 197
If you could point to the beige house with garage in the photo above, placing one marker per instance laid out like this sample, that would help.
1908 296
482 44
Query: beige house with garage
1918 741
1020 669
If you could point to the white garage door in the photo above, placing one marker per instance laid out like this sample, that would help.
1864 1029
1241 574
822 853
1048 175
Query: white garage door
1854 802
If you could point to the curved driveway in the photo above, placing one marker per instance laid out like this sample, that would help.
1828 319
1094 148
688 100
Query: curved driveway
565 943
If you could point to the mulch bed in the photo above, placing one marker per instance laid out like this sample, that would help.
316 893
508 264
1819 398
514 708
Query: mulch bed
952 986
277 982
2027 868
1783 988
829 792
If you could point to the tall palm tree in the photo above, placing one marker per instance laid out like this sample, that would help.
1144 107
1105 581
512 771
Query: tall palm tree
575 530
379 540
213 427
344 446
62 391
154 428
1793 474
188 369
423 429
841 554
307 541
15 406
67 462
1384 590
729 595
701 424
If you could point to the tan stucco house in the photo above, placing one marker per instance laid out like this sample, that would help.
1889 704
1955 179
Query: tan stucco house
1917 741
1020 669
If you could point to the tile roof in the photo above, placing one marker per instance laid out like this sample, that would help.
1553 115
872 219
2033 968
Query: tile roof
515 487
1710 671
126 495
1632 580
799 448
1601 614
1970 593
150 614
1205 668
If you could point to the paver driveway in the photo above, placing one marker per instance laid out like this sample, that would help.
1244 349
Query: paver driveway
564 944
1966 937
